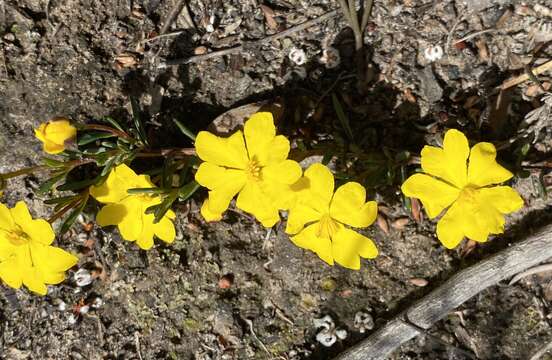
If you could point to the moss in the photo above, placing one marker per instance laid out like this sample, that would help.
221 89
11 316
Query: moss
328 284
190 324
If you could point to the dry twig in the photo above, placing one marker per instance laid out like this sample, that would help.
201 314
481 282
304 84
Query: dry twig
532 271
524 77
458 289
251 44
176 10
543 350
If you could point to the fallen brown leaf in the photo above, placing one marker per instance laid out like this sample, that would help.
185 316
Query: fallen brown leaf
416 210
269 17
382 224
418 282
400 223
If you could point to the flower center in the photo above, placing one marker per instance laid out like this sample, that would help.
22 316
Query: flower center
16 237
253 170
327 226
468 194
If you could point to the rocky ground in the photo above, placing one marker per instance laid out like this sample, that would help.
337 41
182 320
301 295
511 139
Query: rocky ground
233 290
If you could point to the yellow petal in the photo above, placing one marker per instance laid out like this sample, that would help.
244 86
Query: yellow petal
130 226
460 220
308 239
54 134
434 194
115 187
260 132
503 198
483 169
278 150
145 238
39 230
51 258
33 280
228 152
59 131
217 177
52 277
209 215
7 248
321 187
164 230
6 220
253 200
450 227
220 197
348 246
52 148
348 206
285 172
299 216
10 272
448 163
111 214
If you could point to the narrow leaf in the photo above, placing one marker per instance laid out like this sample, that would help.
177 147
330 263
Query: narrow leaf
188 190
113 123
138 124
343 119
61 200
70 220
139 191
48 184
184 130
89 137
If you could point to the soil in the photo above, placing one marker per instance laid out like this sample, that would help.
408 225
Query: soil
232 289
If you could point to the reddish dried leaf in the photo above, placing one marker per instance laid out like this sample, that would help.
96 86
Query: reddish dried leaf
269 17
418 282
416 210
400 223
382 223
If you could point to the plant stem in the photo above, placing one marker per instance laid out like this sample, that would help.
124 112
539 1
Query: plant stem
65 209
167 152
23 171
108 129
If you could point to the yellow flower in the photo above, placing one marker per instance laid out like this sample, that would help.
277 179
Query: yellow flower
54 134
26 256
128 211
259 172
319 217
476 208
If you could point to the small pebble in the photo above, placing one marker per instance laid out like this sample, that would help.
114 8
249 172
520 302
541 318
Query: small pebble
433 53
83 277
298 56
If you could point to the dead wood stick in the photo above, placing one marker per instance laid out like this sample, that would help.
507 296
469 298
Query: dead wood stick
522 78
172 16
251 44
535 249
543 350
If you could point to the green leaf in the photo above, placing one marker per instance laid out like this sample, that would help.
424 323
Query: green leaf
109 164
140 191
89 137
70 220
61 200
113 123
188 190
161 209
53 163
343 119
48 184
77 185
138 124
187 132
